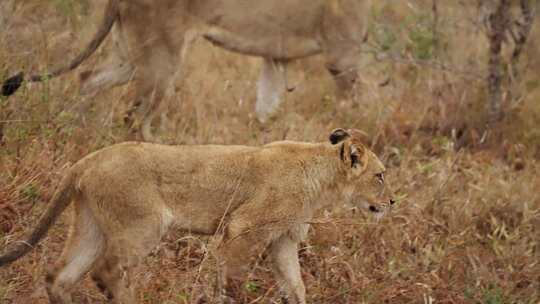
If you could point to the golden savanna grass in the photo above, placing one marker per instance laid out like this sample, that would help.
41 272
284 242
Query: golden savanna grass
467 226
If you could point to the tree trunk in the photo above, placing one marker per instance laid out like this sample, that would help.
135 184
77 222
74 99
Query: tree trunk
498 24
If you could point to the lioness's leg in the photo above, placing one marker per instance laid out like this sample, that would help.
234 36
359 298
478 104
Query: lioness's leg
155 75
83 248
116 70
153 78
189 38
270 88
106 76
155 34
284 254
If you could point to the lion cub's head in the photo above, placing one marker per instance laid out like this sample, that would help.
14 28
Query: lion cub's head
365 182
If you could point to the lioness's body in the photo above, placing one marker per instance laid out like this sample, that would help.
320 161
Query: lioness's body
128 195
151 38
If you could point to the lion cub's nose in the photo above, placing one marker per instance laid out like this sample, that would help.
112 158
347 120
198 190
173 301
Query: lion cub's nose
392 201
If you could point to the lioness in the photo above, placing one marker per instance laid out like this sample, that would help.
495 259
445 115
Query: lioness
149 35
128 195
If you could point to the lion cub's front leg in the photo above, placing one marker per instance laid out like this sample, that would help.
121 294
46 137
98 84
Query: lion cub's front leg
249 234
240 246
284 254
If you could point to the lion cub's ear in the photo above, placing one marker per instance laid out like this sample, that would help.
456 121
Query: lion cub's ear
357 156
338 135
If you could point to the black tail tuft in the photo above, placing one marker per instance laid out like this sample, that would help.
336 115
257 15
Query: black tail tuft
12 84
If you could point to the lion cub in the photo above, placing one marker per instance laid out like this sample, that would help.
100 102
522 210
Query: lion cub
128 195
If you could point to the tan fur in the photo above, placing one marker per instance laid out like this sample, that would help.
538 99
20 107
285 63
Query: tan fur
128 195
149 37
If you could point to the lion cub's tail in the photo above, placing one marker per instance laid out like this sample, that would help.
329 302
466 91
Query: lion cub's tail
59 202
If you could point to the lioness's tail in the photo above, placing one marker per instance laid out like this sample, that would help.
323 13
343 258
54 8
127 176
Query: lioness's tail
12 84
59 202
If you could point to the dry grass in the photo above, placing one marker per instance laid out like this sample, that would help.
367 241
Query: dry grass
467 229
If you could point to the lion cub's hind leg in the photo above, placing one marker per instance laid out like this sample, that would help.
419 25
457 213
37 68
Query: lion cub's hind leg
113 276
84 246
126 248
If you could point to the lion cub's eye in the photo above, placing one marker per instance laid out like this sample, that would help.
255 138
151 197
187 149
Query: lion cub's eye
380 177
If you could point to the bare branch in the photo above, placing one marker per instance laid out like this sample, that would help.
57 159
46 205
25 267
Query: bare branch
528 13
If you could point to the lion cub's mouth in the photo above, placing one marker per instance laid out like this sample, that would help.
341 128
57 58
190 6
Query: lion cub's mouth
374 209
382 210
378 212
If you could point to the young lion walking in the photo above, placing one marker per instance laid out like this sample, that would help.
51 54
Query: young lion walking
128 195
